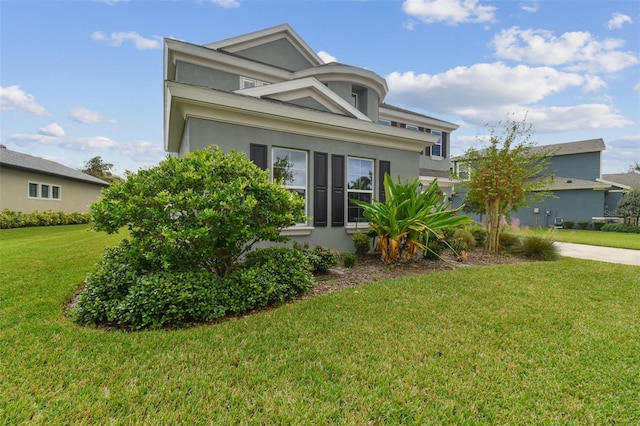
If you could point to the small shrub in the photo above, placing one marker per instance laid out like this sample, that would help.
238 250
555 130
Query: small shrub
597 226
465 239
507 240
480 235
348 260
322 259
362 243
535 248
434 249
568 224
583 224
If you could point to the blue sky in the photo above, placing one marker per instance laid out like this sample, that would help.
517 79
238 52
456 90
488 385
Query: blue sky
84 78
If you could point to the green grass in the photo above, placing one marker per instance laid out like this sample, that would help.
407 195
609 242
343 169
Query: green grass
578 236
538 343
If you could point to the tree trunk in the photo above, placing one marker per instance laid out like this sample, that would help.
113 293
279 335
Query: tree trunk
493 225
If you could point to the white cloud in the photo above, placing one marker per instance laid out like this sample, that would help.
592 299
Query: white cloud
483 86
327 57
531 7
93 143
575 51
53 129
636 88
227 4
12 97
618 20
87 116
450 12
410 25
112 2
117 39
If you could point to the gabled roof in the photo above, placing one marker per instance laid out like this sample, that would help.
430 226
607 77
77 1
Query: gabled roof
305 87
18 160
578 147
268 35
564 183
624 180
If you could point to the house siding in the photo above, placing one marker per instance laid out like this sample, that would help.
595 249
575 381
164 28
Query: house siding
279 53
207 77
573 205
200 133
75 196
584 166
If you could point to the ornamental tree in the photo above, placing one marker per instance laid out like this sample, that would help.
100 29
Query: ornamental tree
629 206
506 174
200 211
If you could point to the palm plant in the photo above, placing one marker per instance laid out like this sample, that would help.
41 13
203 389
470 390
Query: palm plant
407 217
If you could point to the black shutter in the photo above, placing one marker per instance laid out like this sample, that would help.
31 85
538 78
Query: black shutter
258 154
320 196
445 142
337 190
385 168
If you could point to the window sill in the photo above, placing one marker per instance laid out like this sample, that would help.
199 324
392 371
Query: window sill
297 231
437 157
353 229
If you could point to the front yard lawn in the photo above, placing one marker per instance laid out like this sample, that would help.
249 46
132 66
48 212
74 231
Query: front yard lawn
530 343
579 236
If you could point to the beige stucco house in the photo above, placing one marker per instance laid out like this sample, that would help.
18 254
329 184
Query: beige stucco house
29 183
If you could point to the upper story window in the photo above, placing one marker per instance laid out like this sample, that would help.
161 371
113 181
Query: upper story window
246 83
43 191
359 186
436 148
384 122
289 166
412 127
462 170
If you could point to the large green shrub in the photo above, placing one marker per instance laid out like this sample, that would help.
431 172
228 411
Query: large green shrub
203 210
123 292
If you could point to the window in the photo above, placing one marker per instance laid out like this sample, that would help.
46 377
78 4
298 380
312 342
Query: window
354 100
246 82
33 190
359 186
436 148
384 122
44 191
412 127
290 168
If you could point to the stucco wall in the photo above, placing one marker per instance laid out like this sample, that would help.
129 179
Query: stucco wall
279 53
75 196
201 133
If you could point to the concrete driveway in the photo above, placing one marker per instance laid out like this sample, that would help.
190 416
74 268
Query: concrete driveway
603 254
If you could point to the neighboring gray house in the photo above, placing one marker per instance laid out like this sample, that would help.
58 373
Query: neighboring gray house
29 183
581 192
269 95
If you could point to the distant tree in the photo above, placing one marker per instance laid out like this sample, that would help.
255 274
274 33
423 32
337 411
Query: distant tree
634 168
506 174
98 168
629 206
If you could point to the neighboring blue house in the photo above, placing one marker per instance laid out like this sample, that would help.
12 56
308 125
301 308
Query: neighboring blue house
269 95
582 193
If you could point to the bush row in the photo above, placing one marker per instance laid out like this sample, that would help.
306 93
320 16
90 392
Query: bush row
621 227
121 293
13 219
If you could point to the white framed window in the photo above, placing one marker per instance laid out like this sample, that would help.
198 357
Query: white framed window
246 82
436 148
43 191
289 166
384 122
412 127
462 170
359 186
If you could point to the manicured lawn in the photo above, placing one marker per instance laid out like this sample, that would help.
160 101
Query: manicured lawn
596 238
536 343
